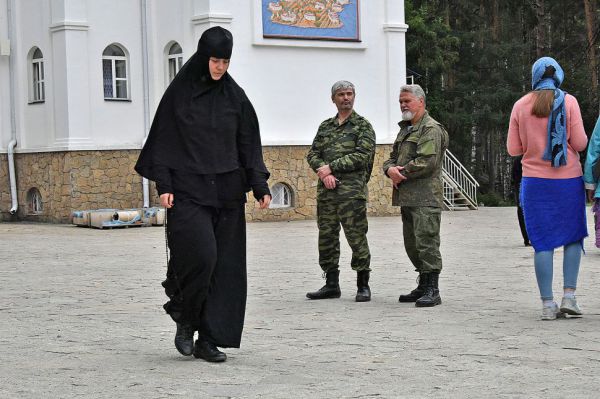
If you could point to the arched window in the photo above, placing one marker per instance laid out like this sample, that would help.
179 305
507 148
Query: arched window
282 196
114 73
174 60
38 89
34 201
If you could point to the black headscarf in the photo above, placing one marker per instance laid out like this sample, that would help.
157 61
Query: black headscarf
202 125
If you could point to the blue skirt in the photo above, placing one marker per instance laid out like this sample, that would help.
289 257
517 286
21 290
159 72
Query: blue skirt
554 211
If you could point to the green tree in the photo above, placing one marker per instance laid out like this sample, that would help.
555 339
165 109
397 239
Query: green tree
475 58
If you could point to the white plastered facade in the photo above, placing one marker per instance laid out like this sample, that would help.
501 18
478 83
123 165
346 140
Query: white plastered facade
288 81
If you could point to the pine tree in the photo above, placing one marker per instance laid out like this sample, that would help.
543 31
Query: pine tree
475 59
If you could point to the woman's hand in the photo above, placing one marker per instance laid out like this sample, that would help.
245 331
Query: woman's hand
265 201
166 200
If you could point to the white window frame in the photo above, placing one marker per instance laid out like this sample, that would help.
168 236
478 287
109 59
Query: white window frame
113 62
175 59
282 196
37 72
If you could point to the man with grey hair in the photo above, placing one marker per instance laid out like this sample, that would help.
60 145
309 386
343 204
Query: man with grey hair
342 155
415 167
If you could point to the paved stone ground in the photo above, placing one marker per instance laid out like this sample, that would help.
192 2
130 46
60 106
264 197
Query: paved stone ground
81 316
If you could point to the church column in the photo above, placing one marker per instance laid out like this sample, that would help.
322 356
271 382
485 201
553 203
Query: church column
70 59
395 31
209 13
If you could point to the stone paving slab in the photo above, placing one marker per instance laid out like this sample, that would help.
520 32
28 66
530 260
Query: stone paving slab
81 316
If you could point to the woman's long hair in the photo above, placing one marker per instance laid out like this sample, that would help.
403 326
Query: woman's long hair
542 107
544 99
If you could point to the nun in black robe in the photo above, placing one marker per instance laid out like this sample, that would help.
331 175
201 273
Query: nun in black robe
204 153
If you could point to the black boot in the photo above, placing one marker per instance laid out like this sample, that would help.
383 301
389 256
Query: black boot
184 339
331 289
208 351
431 297
362 282
416 293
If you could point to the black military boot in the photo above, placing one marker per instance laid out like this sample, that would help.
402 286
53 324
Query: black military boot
208 351
362 282
431 297
331 289
184 339
416 293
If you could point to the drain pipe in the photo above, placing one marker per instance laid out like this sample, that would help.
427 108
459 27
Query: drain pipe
144 9
13 180
13 124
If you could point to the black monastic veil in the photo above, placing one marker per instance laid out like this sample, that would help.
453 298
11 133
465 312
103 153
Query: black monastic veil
203 125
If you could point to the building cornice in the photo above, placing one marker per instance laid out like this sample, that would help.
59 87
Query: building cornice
69 25
402 28
212 18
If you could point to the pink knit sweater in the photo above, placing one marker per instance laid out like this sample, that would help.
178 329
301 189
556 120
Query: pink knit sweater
528 136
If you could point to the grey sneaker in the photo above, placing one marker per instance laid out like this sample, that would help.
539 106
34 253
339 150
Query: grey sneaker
569 306
552 312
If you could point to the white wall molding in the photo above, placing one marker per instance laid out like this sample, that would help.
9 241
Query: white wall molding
398 27
73 143
212 18
69 25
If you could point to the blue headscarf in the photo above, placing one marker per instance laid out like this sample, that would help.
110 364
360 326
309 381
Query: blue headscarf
556 149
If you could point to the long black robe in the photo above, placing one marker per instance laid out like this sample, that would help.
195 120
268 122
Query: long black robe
204 148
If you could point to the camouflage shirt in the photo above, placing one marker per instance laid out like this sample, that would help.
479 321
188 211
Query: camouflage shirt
349 150
420 150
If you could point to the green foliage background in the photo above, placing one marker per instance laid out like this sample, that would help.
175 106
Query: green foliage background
474 57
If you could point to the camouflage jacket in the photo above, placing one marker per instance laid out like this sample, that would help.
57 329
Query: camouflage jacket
349 150
420 150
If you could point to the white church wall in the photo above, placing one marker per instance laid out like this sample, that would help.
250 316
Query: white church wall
288 81
33 119
116 123
290 85
5 129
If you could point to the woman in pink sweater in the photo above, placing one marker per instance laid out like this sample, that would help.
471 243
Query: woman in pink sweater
547 130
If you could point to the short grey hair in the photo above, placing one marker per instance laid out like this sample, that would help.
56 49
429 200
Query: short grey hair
415 90
342 85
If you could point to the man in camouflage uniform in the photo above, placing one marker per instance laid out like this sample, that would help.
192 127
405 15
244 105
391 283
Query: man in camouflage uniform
342 155
415 167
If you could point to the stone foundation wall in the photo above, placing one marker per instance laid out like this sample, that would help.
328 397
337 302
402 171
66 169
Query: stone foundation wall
5 201
75 180
80 180
288 165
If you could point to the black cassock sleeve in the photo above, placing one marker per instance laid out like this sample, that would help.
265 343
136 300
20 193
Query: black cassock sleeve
163 179
250 152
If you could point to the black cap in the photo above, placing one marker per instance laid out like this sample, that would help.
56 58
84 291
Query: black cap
216 42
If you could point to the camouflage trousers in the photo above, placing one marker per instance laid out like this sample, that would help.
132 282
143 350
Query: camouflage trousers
421 231
352 216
